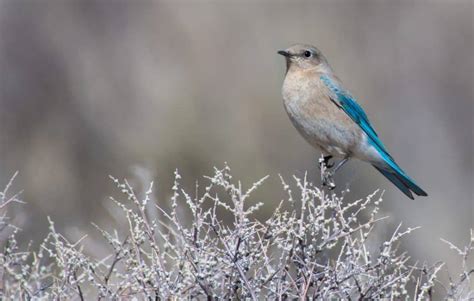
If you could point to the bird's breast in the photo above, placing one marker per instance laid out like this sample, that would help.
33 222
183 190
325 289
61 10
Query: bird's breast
323 124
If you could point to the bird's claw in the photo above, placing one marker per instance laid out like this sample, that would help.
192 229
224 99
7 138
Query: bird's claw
327 177
324 160
328 180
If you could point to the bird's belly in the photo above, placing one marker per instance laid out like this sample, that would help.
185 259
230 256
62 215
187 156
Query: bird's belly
334 134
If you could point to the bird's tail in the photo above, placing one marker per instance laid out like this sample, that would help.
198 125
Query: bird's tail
398 177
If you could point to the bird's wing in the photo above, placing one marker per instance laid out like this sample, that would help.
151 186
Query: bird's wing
349 105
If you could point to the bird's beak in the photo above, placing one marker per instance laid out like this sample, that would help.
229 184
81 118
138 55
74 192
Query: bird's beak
284 53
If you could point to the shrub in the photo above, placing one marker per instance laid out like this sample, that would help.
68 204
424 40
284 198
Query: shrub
315 245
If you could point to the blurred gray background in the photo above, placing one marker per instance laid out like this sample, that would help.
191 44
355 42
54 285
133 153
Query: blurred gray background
92 88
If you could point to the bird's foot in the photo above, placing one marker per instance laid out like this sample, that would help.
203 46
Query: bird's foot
328 180
323 162
327 177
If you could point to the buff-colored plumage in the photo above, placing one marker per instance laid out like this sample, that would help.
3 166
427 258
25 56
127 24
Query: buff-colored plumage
330 119
318 119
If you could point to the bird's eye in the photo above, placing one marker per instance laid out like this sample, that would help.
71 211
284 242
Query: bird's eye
307 53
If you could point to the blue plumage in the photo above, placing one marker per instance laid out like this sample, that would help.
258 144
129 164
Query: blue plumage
331 120
392 171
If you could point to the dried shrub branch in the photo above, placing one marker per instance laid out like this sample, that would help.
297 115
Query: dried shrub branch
314 245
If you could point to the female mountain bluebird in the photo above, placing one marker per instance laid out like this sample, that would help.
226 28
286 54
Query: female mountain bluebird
331 120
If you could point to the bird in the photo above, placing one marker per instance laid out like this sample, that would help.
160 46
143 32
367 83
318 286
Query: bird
331 120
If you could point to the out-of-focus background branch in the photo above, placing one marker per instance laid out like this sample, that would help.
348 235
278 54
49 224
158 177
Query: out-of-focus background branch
91 88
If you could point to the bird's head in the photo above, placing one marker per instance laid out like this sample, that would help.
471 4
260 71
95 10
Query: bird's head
301 56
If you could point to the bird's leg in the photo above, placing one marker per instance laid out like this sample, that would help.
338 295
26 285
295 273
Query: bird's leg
328 179
340 164
326 176
323 164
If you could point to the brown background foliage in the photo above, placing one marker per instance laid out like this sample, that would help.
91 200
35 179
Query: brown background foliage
92 88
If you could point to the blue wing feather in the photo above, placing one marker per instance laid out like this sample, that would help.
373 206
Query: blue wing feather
347 103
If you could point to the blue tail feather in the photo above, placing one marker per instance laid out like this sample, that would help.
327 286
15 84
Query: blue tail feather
400 179
393 178
396 175
410 184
